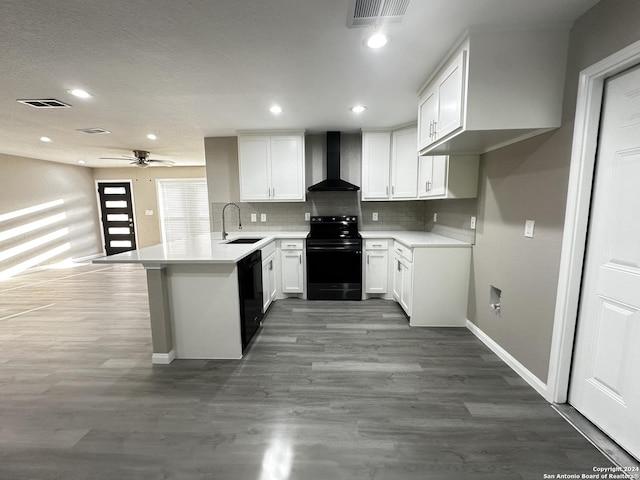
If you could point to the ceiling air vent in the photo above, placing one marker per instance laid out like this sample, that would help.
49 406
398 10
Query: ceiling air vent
45 103
93 131
370 13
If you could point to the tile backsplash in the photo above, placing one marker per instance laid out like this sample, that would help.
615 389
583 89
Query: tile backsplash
408 215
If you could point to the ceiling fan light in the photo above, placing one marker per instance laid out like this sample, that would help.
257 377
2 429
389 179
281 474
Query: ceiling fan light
151 136
276 109
358 108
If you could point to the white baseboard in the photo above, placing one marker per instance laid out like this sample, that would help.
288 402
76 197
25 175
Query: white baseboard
538 385
163 358
87 258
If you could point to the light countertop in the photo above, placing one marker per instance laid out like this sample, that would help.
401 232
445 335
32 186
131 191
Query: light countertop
210 248
416 239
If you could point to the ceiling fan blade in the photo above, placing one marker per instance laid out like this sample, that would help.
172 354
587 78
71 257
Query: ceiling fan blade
168 163
117 158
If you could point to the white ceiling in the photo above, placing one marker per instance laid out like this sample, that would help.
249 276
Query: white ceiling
190 69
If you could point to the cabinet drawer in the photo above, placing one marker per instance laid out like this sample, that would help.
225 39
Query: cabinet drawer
268 250
371 244
403 251
296 244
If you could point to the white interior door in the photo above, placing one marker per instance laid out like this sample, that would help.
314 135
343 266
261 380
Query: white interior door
605 380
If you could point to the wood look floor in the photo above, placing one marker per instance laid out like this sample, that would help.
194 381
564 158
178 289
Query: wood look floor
327 390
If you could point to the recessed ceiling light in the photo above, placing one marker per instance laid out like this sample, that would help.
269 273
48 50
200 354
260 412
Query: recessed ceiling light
276 109
45 139
377 40
151 136
76 92
82 162
358 109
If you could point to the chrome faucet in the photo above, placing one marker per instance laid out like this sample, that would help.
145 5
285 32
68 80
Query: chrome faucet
224 232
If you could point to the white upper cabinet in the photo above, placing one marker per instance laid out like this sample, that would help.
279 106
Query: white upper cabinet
443 176
494 89
271 167
389 164
404 164
376 148
441 106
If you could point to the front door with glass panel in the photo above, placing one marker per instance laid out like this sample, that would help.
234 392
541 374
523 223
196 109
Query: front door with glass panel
116 210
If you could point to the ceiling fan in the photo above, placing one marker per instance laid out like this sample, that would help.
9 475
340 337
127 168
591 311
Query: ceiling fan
141 159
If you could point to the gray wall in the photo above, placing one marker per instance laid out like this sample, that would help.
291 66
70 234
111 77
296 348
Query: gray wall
25 183
529 181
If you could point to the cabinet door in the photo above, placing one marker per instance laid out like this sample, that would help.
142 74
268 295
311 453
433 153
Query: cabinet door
450 93
376 271
397 279
407 286
425 175
404 164
438 186
292 271
287 167
432 176
376 149
266 287
427 116
253 156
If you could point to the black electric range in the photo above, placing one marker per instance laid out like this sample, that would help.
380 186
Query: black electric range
334 258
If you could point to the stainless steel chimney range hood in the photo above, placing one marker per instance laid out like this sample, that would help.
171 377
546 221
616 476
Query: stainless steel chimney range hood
333 183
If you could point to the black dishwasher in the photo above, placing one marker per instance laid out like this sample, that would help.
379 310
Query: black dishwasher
250 289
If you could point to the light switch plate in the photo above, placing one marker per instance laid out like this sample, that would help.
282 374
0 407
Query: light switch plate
473 223
374 216
254 217
435 217
528 228
263 217
307 216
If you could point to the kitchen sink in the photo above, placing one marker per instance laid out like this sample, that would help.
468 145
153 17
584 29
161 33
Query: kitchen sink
244 240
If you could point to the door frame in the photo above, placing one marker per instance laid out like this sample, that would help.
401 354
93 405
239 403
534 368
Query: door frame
574 240
133 206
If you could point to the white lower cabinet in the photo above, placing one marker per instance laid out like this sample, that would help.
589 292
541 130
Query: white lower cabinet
292 278
376 267
403 276
431 284
268 275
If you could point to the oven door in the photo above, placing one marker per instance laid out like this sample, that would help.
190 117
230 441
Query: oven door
334 270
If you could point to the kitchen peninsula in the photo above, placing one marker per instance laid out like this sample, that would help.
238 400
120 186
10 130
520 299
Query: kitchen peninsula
193 285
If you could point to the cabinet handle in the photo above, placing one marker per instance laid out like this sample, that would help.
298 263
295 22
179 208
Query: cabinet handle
428 186
399 266
367 259
430 129
393 190
376 244
435 128
271 265
300 258
386 189
292 245
274 192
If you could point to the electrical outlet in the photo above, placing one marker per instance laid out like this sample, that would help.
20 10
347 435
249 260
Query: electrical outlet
374 217
263 217
435 217
307 216
473 223
528 228
254 217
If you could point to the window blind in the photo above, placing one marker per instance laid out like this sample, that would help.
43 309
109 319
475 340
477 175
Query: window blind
184 208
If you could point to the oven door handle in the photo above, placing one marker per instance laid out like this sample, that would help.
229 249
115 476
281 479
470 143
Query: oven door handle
334 249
